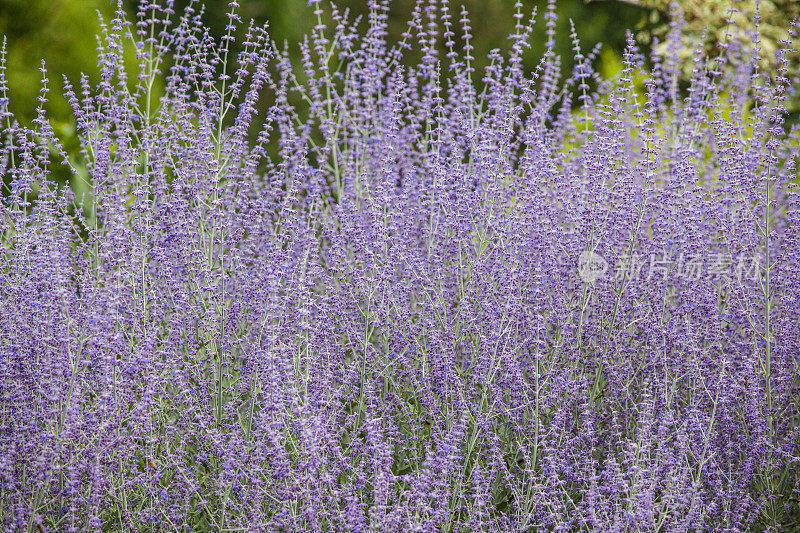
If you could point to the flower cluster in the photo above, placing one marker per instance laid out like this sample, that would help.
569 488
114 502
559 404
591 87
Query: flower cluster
328 296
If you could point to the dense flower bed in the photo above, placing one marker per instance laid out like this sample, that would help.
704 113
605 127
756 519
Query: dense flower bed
401 298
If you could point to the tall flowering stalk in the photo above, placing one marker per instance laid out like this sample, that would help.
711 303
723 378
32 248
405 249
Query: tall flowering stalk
357 294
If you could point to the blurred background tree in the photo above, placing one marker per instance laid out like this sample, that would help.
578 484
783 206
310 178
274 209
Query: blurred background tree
710 20
707 23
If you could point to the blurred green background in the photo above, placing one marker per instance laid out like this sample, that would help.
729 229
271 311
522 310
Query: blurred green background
62 32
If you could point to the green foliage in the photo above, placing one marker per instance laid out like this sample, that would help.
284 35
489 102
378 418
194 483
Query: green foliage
713 16
711 22
60 32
